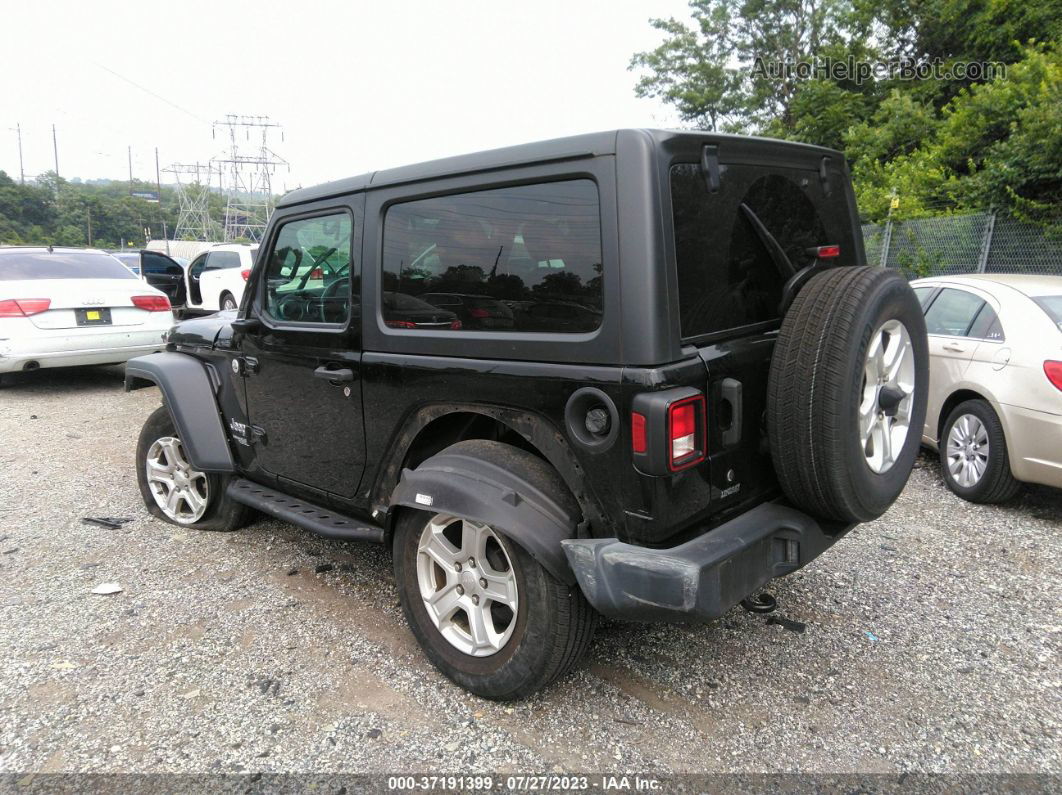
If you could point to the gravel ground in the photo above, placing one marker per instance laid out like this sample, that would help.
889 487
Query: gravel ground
932 641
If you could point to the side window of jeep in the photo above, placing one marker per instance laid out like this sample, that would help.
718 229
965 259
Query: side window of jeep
310 271
518 259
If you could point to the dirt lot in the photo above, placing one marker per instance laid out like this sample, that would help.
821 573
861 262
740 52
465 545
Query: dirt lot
932 640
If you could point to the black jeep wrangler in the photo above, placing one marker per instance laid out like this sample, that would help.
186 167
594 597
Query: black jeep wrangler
633 373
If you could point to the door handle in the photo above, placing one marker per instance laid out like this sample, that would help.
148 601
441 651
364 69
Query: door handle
951 346
334 376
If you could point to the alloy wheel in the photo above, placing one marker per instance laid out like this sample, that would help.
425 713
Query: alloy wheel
887 395
182 493
967 450
467 584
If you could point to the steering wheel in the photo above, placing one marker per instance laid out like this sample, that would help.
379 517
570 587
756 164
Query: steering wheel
332 291
291 307
333 288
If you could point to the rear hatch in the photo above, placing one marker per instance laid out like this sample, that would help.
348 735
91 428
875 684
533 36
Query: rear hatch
741 208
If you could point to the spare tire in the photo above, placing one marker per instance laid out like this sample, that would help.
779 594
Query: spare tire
846 395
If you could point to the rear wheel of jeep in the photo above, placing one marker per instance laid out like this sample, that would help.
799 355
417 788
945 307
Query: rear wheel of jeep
846 397
484 611
173 490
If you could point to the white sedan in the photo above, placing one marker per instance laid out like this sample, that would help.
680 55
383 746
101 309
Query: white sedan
61 307
995 381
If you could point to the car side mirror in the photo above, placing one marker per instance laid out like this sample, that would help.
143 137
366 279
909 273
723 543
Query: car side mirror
246 325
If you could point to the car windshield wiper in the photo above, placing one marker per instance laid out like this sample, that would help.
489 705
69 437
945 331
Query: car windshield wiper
774 250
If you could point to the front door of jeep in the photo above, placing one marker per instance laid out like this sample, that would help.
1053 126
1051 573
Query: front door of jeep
301 356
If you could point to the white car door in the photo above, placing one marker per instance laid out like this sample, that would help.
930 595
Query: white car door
195 277
948 321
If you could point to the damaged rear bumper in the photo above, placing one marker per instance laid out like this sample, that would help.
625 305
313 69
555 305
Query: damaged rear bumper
703 578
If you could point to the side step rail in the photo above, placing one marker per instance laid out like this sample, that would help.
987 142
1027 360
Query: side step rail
322 521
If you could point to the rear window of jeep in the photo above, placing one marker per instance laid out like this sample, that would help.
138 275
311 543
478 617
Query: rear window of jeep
518 259
726 275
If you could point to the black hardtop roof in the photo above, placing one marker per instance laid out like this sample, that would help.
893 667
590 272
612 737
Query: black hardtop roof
575 146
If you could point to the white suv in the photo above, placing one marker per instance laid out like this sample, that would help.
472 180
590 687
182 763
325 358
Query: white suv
216 277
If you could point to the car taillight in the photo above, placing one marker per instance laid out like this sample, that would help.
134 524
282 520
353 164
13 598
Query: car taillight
479 313
668 430
246 274
152 303
685 430
455 326
825 252
399 324
317 273
1053 371
638 442
24 307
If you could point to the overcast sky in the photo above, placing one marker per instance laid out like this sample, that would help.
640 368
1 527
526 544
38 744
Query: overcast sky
356 85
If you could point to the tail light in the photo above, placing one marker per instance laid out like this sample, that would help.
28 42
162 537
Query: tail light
316 273
455 326
1053 371
152 303
479 313
246 274
24 307
668 430
399 324
685 432
825 252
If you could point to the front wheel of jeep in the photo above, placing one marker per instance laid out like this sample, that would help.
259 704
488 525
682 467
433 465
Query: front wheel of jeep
176 492
484 611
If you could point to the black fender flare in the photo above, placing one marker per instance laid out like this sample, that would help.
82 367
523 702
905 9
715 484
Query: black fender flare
544 436
459 483
188 392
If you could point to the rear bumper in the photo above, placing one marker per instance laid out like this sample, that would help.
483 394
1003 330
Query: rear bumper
1034 444
69 350
703 578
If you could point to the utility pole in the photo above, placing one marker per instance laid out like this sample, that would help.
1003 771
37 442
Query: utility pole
55 149
158 179
89 211
130 170
21 169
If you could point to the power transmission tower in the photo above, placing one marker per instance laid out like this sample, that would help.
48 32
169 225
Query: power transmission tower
249 165
193 214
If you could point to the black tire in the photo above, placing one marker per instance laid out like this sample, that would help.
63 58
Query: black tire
554 624
815 388
221 302
996 483
222 513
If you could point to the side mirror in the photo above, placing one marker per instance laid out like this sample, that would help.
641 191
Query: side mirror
246 325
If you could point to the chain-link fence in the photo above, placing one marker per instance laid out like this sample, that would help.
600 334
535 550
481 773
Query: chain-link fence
971 243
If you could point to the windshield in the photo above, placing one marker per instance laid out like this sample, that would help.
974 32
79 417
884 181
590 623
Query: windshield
61 265
1052 305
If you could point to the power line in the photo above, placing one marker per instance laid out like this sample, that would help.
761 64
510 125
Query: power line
152 93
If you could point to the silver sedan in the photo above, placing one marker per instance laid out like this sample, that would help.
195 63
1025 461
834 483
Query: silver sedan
995 381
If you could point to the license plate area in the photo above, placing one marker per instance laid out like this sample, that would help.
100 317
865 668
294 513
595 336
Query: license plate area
93 317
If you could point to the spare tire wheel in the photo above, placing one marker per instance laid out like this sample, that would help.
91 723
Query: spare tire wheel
846 396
